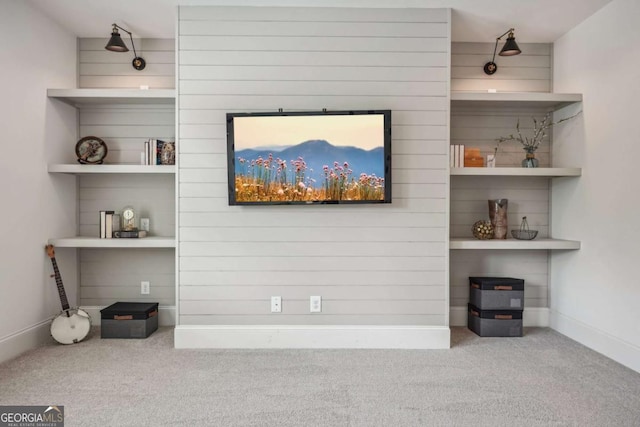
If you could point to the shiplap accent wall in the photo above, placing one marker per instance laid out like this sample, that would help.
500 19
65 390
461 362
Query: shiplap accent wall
531 71
110 275
372 265
100 68
528 72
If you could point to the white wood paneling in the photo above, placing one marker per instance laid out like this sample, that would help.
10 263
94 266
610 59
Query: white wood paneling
376 264
111 275
528 72
100 68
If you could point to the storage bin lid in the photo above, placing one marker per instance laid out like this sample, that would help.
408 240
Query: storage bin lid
497 283
137 310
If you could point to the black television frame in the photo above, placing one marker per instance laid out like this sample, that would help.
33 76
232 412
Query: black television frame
231 170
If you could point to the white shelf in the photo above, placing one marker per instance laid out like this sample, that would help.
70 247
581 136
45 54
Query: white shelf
550 172
76 168
95 242
77 97
551 101
462 243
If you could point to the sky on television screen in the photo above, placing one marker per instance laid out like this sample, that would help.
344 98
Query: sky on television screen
364 131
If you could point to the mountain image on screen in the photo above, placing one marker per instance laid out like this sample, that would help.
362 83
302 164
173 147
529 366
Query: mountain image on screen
311 170
318 153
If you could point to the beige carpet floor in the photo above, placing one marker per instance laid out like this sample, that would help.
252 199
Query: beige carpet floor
542 379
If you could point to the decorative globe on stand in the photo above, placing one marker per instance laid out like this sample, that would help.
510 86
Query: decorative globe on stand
483 230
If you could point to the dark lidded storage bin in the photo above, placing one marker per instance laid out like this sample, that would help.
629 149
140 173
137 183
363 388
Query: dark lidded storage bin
129 320
495 323
496 293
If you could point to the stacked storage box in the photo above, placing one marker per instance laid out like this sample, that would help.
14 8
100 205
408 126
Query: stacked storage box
495 306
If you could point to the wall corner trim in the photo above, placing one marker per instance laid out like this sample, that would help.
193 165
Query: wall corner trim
27 339
312 337
598 340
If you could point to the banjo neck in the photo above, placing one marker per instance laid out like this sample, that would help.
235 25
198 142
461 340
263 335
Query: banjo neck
63 295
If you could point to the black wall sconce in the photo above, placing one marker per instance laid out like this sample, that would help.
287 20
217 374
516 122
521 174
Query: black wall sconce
510 48
117 45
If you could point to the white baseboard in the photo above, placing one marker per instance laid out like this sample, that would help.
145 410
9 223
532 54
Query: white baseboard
25 340
613 347
312 336
533 316
166 314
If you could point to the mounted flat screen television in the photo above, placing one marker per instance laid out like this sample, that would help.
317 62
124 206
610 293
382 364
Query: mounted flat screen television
318 157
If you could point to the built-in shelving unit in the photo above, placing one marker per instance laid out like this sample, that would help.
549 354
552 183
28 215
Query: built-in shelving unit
507 100
80 98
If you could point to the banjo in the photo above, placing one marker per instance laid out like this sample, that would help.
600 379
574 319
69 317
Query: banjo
72 325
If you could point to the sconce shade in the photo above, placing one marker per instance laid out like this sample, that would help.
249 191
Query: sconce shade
510 47
117 45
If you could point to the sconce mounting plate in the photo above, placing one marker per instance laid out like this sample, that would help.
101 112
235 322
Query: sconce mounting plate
138 63
490 68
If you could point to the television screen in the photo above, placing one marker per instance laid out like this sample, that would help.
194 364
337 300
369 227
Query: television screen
309 157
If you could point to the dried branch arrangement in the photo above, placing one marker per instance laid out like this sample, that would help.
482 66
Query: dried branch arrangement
532 143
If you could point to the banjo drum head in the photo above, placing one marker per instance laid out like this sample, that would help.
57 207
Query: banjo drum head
71 329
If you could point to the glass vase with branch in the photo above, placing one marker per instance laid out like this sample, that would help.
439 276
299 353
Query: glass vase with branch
531 143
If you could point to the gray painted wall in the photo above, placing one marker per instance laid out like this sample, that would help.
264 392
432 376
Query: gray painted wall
595 290
35 205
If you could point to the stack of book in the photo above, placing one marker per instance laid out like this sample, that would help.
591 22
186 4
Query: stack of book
109 222
152 150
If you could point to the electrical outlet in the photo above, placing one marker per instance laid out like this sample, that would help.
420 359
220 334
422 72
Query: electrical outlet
145 287
276 304
144 224
315 304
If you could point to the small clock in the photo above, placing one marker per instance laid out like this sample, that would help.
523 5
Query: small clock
128 219
91 150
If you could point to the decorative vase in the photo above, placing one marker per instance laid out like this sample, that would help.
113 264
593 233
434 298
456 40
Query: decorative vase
491 160
530 160
168 153
498 217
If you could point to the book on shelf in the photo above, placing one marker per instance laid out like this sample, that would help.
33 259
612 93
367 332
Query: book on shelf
106 224
456 155
452 156
129 234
